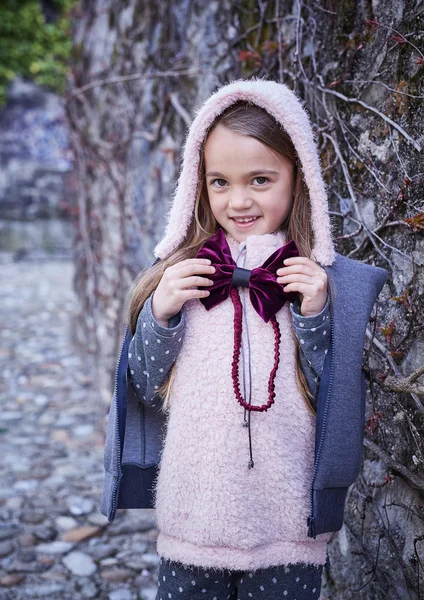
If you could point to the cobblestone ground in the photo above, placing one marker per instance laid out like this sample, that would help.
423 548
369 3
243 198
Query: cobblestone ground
54 542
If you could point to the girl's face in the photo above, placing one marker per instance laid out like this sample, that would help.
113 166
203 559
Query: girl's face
244 178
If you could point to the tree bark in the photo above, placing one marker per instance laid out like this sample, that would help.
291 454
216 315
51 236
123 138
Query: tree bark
140 69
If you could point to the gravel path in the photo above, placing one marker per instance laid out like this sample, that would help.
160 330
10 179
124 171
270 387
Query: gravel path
54 543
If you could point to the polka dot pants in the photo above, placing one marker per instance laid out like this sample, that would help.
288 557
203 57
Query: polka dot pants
286 582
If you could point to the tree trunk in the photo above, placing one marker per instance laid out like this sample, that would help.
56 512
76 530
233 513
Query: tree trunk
140 69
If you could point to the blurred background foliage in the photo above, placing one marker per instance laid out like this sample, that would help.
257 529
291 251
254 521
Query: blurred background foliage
35 42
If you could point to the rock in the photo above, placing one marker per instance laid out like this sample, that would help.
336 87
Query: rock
27 539
32 516
140 580
107 562
26 555
57 547
45 560
139 547
129 527
42 590
45 532
102 551
20 565
59 435
14 502
11 580
26 485
116 575
97 518
83 430
80 506
8 531
41 400
80 533
121 594
148 593
64 522
80 564
11 415
151 559
134 562
143 561
89 589
6 548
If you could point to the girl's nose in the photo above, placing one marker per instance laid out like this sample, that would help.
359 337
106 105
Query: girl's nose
240 200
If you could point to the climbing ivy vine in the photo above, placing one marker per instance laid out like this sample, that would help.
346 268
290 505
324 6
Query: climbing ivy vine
33 46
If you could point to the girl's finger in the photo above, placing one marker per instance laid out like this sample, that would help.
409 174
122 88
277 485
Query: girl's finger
296 286
301 268
293 270
293 277
298 259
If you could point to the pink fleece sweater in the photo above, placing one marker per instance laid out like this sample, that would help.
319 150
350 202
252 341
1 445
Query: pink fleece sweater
211 510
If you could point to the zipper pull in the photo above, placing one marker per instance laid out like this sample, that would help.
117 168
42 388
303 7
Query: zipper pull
311 527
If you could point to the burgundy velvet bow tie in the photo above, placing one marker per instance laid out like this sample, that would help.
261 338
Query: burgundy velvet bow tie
266 294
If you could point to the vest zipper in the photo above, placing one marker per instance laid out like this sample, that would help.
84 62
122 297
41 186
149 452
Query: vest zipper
311 517
115 399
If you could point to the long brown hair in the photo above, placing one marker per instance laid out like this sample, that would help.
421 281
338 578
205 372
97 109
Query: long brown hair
248 119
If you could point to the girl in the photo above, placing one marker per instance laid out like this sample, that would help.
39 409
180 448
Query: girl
239 398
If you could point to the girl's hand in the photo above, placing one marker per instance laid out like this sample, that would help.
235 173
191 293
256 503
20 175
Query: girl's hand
303 275
179 284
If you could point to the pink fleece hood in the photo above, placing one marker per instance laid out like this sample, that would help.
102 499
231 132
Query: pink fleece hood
280 102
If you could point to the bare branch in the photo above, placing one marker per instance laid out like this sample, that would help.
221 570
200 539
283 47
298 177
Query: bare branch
404 385
416 145
372 81
133 77
396 370
415 480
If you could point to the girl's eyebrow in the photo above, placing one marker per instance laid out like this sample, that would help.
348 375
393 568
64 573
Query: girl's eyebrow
249 174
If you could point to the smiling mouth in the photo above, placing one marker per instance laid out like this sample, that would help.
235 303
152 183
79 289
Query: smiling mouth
245 219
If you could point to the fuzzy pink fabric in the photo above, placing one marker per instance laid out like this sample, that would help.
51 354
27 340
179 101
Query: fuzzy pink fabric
288 109
211 510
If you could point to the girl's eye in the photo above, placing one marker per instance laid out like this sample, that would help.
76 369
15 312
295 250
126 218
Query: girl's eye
212 182
264 181
265 178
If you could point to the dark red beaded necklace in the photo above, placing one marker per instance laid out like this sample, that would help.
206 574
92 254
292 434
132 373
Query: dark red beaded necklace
236 355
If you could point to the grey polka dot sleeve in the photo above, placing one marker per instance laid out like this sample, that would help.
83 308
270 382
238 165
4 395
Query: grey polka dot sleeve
152 351
314 335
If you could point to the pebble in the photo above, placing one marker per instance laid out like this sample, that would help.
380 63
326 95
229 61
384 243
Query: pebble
10 580
27 539
45 532
80 533
6 548
80 506
80 563
43 590
103 551
54 542
148 593
57 547
121 594
116 575
89 589
66 523
32 516
25 485
8 531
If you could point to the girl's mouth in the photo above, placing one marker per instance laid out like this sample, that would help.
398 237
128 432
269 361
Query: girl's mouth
245 225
